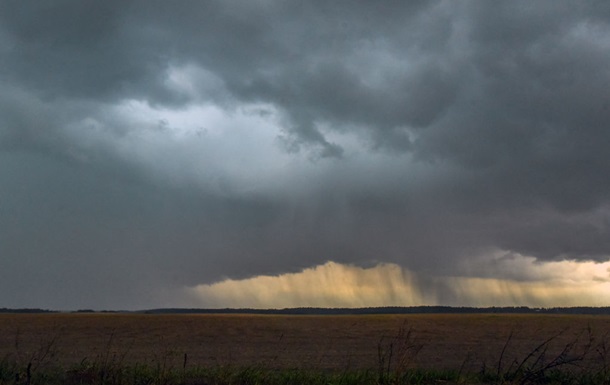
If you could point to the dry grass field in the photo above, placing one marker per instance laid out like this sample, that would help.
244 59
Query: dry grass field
432 341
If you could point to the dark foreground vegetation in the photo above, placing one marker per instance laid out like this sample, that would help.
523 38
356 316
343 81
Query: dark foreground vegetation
130 375
584 360
140 349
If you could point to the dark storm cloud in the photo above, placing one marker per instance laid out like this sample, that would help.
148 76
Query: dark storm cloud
431 132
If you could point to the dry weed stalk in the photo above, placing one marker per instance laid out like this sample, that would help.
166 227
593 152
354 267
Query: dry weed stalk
603 358
397 355
537 363
29 363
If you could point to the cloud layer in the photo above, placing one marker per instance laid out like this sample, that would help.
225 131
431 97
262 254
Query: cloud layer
148 146
336 285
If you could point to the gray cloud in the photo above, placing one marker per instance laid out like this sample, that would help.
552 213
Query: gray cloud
149 145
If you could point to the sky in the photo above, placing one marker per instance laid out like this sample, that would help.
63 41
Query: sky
304 153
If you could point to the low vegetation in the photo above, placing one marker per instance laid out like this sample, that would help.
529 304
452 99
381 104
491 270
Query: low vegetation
189 350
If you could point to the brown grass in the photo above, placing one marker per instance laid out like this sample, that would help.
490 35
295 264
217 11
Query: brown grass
457 341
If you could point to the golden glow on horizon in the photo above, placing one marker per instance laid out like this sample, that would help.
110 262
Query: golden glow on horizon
544 284
331 284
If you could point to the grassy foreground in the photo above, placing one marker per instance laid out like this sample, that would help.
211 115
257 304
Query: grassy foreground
114 374
93 373
579 362
380 350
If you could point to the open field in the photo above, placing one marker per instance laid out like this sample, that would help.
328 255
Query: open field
458 342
